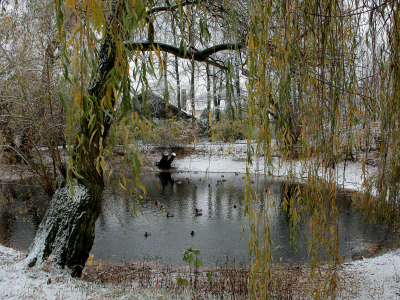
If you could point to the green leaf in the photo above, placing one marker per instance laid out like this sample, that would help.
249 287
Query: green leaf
180 281
189 258
64 103
196 251
197 263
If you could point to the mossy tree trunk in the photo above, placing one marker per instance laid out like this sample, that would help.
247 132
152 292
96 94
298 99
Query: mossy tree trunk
67 231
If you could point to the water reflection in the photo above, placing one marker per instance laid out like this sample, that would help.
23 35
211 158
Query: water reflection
22 207
218 230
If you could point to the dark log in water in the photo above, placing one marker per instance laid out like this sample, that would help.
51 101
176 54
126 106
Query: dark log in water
165 162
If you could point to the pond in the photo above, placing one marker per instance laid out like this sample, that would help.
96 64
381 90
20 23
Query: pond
220 232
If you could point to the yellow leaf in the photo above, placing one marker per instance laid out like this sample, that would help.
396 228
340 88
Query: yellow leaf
90 260
115 95
120 184
111 171
103 166
151 58
99 267
102 102
91 138
70 41
91 120
69 4
157 52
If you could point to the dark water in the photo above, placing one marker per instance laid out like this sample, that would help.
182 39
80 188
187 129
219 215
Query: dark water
22 207
220 232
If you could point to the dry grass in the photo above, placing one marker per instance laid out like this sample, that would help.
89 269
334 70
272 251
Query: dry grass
228 281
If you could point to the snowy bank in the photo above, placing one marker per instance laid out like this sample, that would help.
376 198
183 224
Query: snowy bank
232 157
20 282
372 278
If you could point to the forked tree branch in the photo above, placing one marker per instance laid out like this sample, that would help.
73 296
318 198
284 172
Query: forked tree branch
171 7
202 56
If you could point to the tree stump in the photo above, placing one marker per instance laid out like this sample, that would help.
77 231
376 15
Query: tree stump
165 162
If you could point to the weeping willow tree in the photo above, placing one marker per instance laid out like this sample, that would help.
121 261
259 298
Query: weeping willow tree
305 62
107 58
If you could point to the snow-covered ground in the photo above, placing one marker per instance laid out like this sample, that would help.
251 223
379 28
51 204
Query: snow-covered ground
373 278
20 282
369 278
226 157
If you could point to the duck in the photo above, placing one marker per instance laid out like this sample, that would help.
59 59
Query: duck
169 215
198 214
192 232
146 234
198 210
234 206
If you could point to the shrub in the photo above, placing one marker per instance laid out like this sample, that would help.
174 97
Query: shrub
204 123
172 133
230 130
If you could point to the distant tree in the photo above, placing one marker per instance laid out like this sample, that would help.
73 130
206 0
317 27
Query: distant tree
32 120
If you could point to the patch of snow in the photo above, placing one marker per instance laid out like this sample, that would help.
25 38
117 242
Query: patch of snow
20 282
232 157
373 278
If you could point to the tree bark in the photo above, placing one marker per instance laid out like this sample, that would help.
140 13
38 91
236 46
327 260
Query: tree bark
178 84
208 88
215 97
192 43
66 233
237 85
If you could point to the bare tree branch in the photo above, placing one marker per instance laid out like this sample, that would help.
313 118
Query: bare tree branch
201 56
170 7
